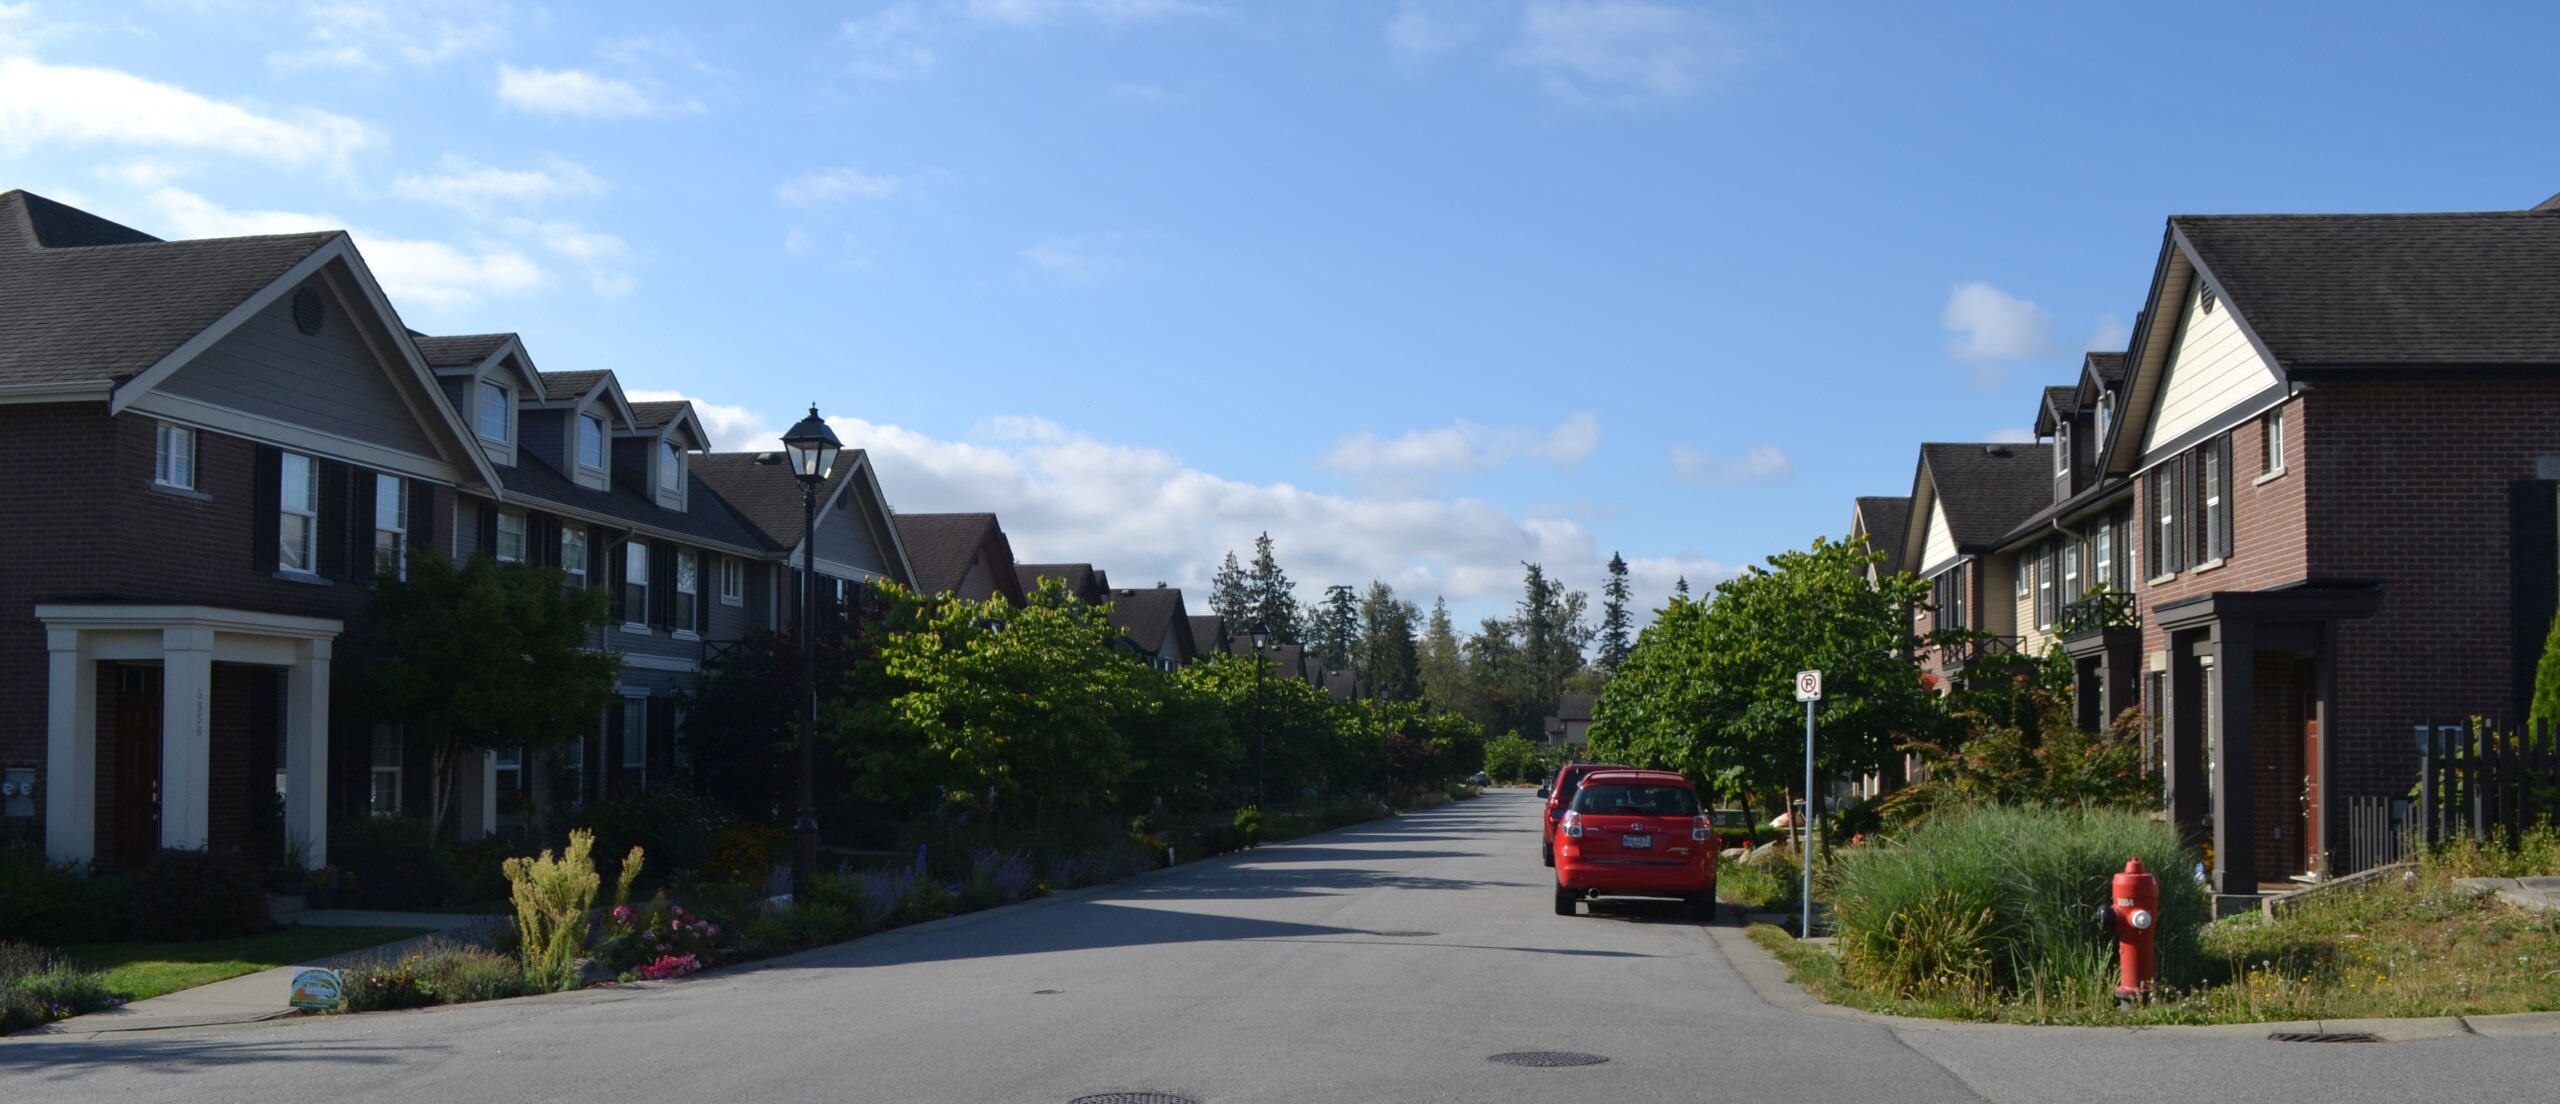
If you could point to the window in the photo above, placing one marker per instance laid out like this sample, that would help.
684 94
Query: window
384 773
298 515
2062 448
635 584
635 739
573 555
510 537
2155 712
733 581
2106 565
391 526
2106 415
2271 435
2044 585
1949 594
670 466
590 442
2165 558
688 590
2026 575
2070 591
2213 499
493 415
173 461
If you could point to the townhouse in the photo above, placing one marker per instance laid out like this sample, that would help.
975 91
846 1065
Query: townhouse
2311 505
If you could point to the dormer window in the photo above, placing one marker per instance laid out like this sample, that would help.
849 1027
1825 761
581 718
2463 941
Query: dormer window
2106 414
670 468
2062 448
590 442
495 414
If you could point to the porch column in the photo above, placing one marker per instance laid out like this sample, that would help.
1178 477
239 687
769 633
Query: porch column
2235 777
306 751
71 749
186 740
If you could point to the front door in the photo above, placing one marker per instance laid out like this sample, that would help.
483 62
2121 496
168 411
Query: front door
137 773
2314 841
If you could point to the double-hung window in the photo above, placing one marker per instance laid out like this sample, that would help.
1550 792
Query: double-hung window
2044 585
298 515
635 584
2106 565
510 537
591 442
383 770
2070 592
173 460
2212 534
635 740
2026 576
573 555
733 581
391 526
2271 435
2062 449
2165 549
492 414
670 467
688 589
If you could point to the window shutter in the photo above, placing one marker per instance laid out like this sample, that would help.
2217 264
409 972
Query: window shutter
542 531
359 534
489 529
618 571
331 540
422 514
596 572
2533 556
662 738
263 540
706 581
662 584
2230 505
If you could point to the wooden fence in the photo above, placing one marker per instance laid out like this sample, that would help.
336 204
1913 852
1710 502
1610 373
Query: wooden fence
2480 783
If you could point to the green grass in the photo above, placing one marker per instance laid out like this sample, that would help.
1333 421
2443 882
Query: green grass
1765 886
138 971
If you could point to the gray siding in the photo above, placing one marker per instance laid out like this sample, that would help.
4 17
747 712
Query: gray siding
466 527
655 642
656 682
845 538
730 622
544 433
327 381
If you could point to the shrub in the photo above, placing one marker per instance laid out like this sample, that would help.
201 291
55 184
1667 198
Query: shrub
659 929
391 860
744 854
2005 899
794 926
186 896
673 825
376 985
1248 824
54 903
1762 886
1002 879
38 986
666 967
552 897
2536 855
459 973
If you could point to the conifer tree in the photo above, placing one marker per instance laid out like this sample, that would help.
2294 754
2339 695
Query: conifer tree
1440 667
1231 596
1615 637
1335 628
1274 598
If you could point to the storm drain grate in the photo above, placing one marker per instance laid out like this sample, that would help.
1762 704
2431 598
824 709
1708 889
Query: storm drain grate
1547 1059
1133 1098
2325 1037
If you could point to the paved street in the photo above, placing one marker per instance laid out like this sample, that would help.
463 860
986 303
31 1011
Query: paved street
1381 963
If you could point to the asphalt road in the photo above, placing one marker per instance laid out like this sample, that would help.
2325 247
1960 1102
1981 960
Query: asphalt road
1382 963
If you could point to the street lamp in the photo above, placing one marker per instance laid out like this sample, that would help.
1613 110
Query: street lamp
812 448
1260 632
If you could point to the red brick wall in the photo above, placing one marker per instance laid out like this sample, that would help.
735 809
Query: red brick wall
2268 548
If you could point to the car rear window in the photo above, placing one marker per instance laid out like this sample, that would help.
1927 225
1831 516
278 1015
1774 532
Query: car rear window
1624 800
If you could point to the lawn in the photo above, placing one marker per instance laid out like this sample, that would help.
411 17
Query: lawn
137 971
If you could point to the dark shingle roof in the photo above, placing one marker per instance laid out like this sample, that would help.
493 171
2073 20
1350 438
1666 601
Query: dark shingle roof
568 385
1988 489
1342 685
705 516
761 488
2063 400
458 350
2108 366
1575 707
942 546
2472 288
82 298
1080 578
1147 616
651 415
1888 519
1209 632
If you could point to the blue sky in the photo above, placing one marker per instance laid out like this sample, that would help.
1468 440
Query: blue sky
1425 289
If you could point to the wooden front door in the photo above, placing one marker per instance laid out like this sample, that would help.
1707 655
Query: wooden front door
2314 839
137 759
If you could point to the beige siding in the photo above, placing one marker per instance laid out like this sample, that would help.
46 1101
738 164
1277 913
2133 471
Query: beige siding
1999 582
1940 550
2211 369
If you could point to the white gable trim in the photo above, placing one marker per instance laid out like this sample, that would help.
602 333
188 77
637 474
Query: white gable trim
258 427
1938 543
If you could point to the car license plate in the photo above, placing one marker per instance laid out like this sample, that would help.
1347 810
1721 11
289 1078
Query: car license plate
1636 843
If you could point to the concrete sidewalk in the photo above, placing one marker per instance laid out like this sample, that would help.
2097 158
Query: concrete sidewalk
263 995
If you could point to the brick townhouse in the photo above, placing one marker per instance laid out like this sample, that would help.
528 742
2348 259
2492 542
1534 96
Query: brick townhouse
2311 505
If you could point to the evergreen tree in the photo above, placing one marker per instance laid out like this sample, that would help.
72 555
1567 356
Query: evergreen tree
1494 679
1231 596
1615 623
1681 588
1274 598
1335 628
1440 667
1387 658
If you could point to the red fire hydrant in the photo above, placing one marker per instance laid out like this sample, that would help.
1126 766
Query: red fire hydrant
2134 912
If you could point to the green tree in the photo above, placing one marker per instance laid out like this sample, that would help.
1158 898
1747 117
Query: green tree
487 655
1231 596
1615 621
1335 628
2546 679
1708 689
1511 759
1387 658
1681 587
1440 667
1274 598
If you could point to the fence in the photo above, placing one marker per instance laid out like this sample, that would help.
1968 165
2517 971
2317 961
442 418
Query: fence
2377 832
2476 782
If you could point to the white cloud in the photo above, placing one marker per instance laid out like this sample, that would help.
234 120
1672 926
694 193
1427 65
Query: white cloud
900 41
1082 261
581 93
1421 28
42 103
2110 336
1654 579
1993 327
1762 463
1140 91
1040 13
471 186
1622 53
360 34
2012 435
1422 458
839 183
890 44
412 271
605 257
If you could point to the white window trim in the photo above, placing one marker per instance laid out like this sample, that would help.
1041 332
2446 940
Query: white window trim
733 581
505 516
399 527
585 420
2272 440
2044 593
506 411
308 510
2208 462
688 602
575 567
166 460
374 770
670 468
2026 568
2062 448
635 620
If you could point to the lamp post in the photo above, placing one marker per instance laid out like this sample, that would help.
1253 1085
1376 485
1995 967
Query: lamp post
1260 632
812 448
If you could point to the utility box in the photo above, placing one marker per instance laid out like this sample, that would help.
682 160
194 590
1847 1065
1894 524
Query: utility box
18 792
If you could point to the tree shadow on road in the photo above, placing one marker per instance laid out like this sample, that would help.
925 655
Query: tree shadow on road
1258 883
46 1059
1096 925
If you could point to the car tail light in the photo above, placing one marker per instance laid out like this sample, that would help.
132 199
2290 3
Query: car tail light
1704 831
1573 825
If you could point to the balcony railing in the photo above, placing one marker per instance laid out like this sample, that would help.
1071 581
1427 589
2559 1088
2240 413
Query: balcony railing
1956 655
2098 612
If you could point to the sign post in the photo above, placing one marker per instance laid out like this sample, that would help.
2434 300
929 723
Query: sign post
1808 691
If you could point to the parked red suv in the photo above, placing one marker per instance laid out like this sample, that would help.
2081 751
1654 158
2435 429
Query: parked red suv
1636 833
1559 793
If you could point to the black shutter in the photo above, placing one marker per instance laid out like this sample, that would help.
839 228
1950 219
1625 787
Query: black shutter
359 536
422 515
662 584
2230 504
661 747
596 573
488 529
2533 556
617 573
706 578
264 553
543 532
331 540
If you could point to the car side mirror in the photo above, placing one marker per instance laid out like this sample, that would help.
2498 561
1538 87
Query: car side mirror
1542 791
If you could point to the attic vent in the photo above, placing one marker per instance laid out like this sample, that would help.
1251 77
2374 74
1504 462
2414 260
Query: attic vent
768 458
309 310
2208 298
1995 450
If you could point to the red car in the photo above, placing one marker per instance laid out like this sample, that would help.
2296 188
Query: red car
1636 833
1559 793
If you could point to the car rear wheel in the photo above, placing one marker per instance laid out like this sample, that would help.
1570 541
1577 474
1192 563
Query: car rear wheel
1547 851
1702 906
1564 901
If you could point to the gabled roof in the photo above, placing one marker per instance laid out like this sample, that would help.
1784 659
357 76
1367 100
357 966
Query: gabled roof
1080 579
706 518
1884 518
85 300
2058 403
1209 631
675 417
1575 707
1984 489
651 415
1342 685
941 547
1147 616
2108 367
458 350
761 488
2466 289
562 386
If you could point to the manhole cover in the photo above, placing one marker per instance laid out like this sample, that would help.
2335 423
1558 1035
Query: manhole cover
2325 1037
1133 1098
1406 934
1547 1059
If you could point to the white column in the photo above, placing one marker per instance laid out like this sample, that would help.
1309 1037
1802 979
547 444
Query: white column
306 750
186 739
475 794
71 749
